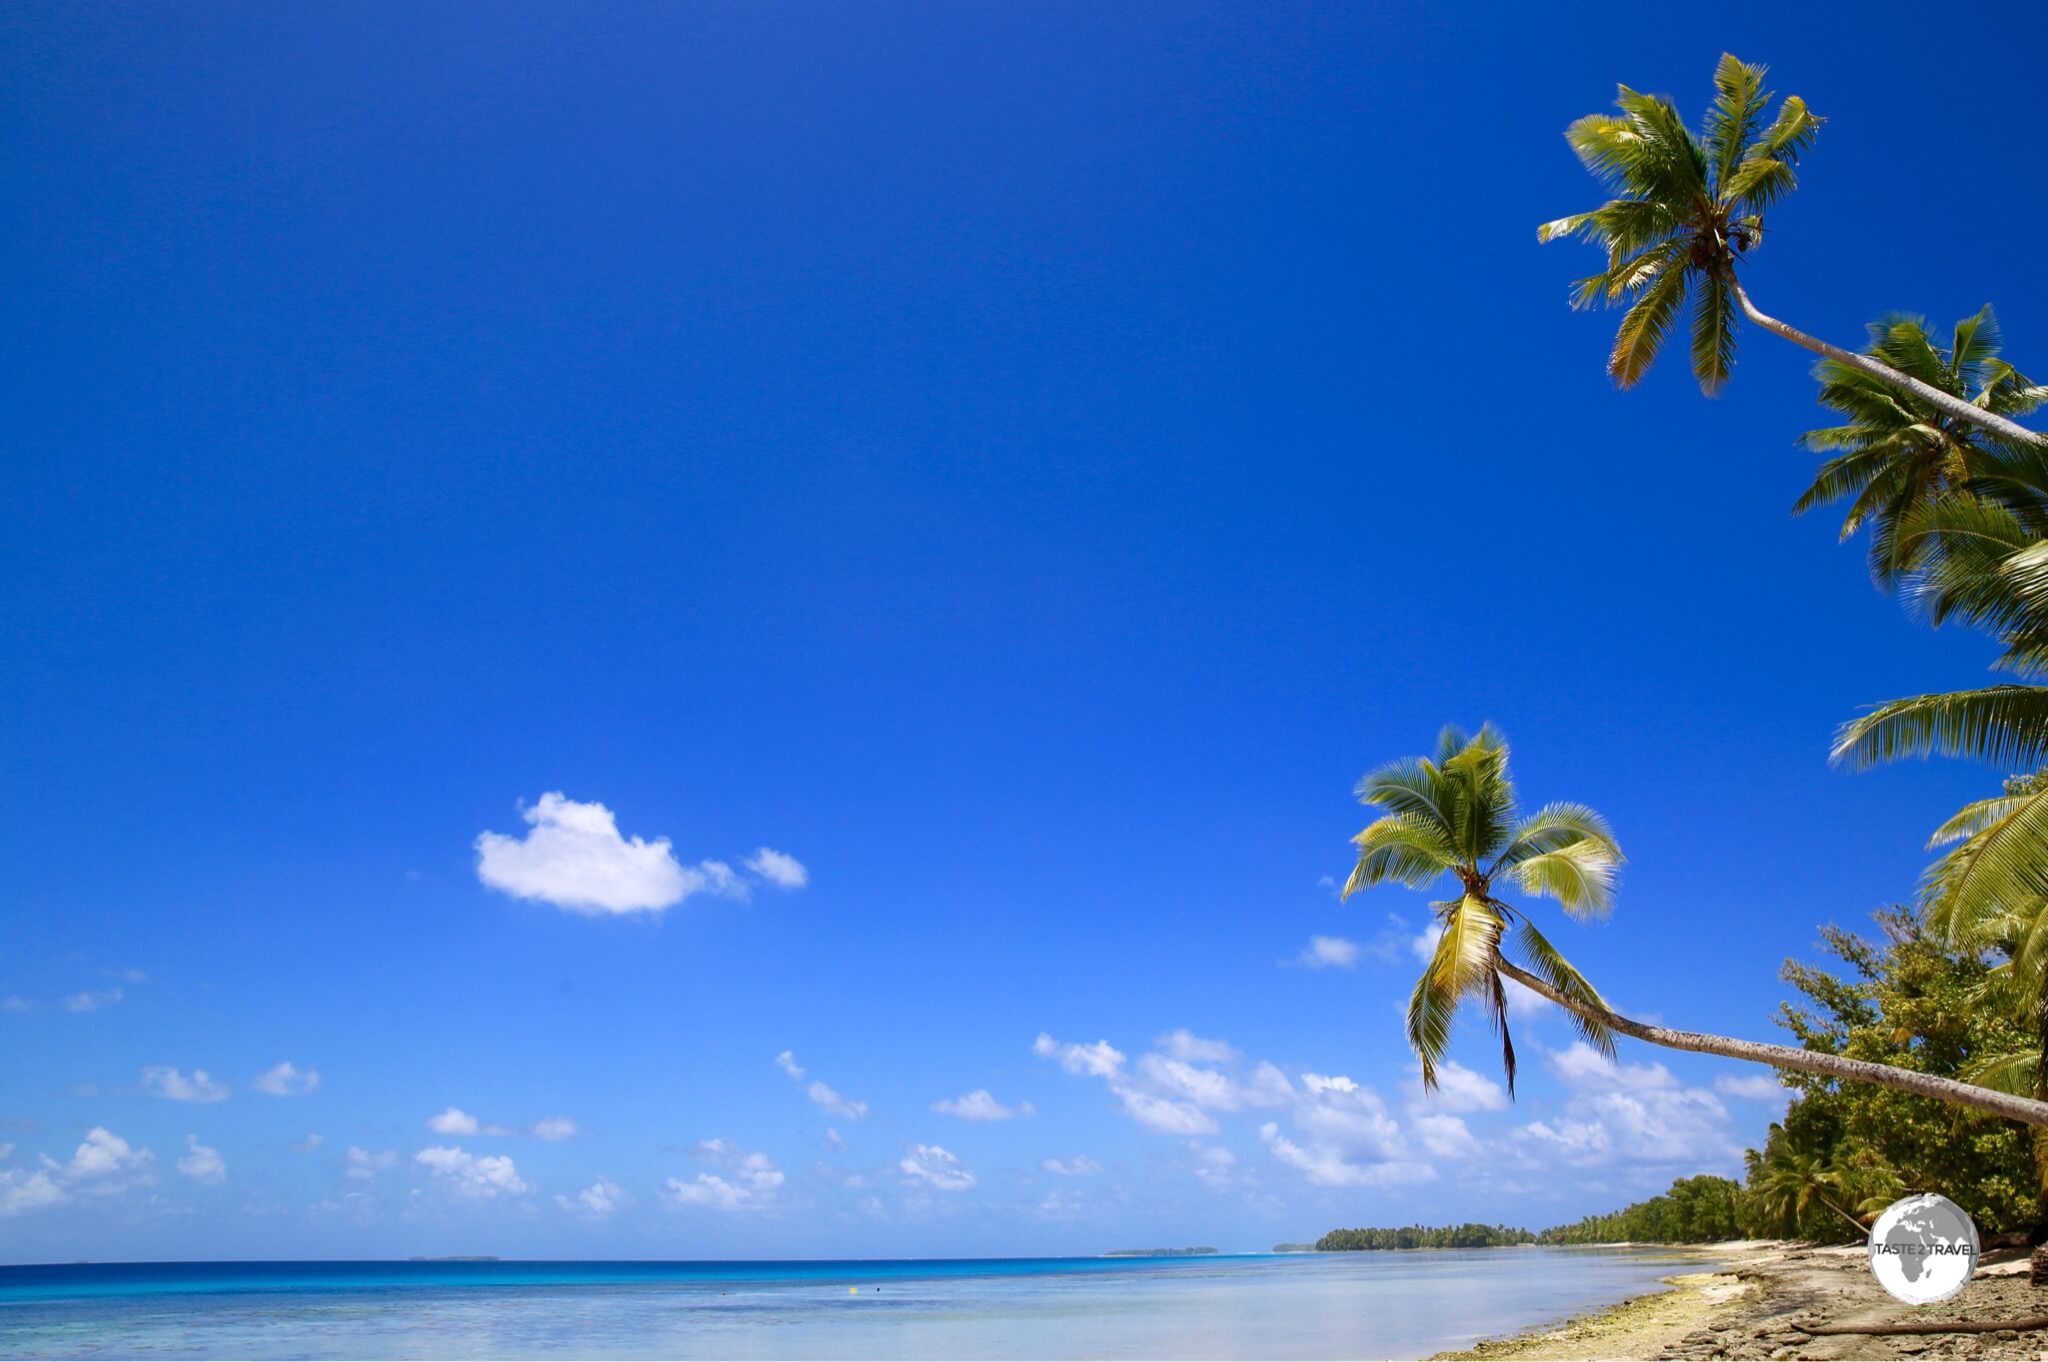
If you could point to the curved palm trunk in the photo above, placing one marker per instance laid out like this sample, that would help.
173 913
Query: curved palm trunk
1884 373
2023 1109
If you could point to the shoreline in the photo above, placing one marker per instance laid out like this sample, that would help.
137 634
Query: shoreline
1757 1299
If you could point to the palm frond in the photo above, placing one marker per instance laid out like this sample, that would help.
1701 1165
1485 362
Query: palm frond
1402 848
2006 725
1550 965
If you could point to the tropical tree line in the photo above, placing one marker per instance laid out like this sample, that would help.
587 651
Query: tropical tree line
1697 1210
1423 1237
1928 454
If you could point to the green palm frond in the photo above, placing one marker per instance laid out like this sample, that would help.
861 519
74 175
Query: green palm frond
1551 966
1580 876
1463 961
1402 848
2005 725
1993 885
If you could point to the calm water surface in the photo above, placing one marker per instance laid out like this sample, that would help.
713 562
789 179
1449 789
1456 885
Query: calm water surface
1252 1306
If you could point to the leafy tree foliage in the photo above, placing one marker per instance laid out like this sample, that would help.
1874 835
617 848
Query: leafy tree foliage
1697 1210
1423 1237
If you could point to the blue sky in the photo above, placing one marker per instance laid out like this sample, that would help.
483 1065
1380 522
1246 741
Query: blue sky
1018 465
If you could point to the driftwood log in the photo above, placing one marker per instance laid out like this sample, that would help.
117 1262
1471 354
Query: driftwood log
1983 1326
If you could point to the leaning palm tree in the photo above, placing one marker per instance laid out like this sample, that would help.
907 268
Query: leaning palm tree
1454 818
1790 1181
1894 452
1687 213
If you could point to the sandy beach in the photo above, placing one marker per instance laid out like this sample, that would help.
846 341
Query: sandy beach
1762 1300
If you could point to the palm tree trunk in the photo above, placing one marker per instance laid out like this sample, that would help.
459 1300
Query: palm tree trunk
2022 1109
1884 373
1829 1202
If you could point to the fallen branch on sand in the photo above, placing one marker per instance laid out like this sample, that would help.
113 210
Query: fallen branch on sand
1954 1327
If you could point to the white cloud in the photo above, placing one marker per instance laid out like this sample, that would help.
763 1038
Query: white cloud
1323 952
6 1150
312 1140
1637 1113
1752 1087
554 1129
574 858
14 1002
1080 1166
931 1164
286 1079
202 1164
980 1105
105 1162
1213 1164
454 1121
1185 1045
1171 1092
831 1101
1163 1114
750 1182
784 872
162 1080
470 1176
1444 1137
91 1001
821 1092
1461 1089
22 1191
1324 1166
363 1165
595 1202
1101 1059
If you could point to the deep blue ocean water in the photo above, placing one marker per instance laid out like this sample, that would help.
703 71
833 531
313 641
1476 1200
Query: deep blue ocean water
1250 1306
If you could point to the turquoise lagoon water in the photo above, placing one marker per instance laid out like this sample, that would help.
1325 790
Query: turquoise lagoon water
1228 1306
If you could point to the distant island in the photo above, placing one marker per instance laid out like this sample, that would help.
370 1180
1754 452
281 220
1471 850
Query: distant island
457 1258
1423 1237
1294 1248
1160 1252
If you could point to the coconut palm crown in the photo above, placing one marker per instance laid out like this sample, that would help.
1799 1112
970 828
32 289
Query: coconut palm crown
1896 453
1688 210
1453 818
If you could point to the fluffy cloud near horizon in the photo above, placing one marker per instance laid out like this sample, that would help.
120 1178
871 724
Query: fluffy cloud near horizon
471 1176
201 1163
1080 1166
980 1105
164 1080
1640 1113
935 1167
1752 1087
286 1079
595 1202
103 1165
748 1182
